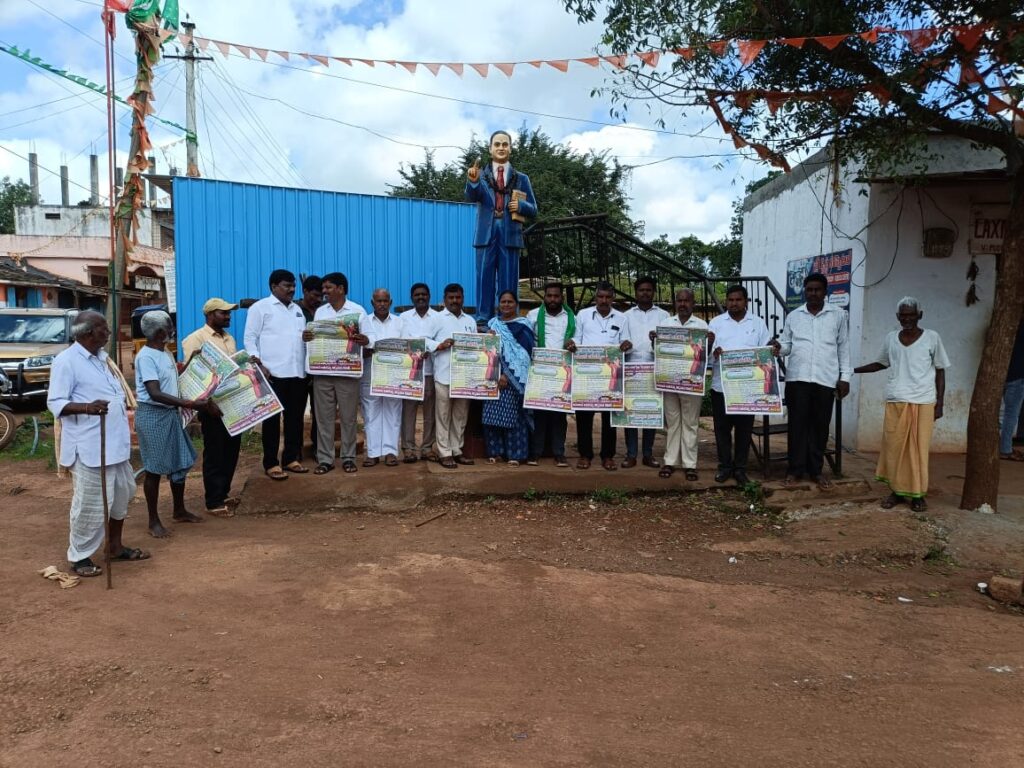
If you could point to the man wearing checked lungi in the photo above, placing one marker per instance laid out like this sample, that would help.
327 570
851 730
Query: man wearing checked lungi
82 387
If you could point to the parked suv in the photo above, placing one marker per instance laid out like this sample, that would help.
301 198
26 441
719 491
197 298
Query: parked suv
29 340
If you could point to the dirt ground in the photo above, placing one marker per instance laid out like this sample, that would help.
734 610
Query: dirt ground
642 624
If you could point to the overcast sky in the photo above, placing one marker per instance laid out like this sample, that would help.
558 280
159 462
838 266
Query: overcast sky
250 128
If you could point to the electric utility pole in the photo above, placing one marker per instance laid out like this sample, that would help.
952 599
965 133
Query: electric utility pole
190 58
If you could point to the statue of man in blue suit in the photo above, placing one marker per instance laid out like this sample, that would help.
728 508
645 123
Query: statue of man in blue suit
504 201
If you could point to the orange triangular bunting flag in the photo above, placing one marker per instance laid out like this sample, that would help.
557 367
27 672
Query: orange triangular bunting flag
389 62
409 65
224 48
775 99
261 52
562 65
592 61
537 64
203 43
969 74
718 47
920 39
367 62
650 58
284 55
320 59
796 42
506 68
245 50
749 49
996 105
738 141
455 67
743 99
434 68
346 62
686 53
969 37
871 36
831 41
481 69
619 62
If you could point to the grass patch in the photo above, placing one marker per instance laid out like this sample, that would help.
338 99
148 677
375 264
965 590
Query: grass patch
252 441
938 555
614 496
21 448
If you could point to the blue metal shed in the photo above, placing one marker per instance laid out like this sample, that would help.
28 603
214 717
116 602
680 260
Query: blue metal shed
229 236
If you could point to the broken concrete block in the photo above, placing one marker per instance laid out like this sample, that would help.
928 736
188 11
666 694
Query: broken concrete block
1006 590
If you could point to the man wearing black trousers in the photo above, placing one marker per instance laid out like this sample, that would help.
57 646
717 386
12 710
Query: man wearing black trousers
815 344
220 450
273 339
733 329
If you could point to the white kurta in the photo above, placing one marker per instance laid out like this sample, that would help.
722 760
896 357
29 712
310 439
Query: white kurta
382 416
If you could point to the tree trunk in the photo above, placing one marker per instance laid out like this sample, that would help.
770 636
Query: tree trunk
981 485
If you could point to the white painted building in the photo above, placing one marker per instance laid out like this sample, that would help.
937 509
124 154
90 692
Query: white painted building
155 225
963 199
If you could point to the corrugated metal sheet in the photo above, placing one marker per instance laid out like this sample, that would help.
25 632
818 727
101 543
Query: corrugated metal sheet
229 237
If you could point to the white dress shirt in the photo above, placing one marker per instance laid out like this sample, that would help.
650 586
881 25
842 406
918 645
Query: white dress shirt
447 324
327 312
639 324
417 326
816 347
593 330
374 328
554 327
693 322
273 333
732 334
78 376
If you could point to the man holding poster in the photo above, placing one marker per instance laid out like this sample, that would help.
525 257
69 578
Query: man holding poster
599 326
735 328
682 402
336 389
382 415
554 325
451 412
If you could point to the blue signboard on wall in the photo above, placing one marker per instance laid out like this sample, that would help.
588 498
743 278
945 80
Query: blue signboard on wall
836 267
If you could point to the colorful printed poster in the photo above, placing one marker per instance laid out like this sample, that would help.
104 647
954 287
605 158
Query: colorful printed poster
597 379
332 351
245 398
396 368
204 371
681 359
836 267
476 366
750 382
549 382
644 408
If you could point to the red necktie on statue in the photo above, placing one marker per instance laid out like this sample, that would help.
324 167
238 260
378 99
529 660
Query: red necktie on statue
499 200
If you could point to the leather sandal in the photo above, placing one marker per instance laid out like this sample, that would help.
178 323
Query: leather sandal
296 467
666 471
609 464
583 464
448 462
275 473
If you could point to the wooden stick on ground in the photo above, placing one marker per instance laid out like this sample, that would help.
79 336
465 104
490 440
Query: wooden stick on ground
431 519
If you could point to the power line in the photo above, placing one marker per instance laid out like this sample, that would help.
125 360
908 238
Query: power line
219 70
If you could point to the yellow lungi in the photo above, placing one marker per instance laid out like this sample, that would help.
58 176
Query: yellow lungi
906 437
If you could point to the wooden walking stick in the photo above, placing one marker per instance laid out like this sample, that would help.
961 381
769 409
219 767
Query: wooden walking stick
106 504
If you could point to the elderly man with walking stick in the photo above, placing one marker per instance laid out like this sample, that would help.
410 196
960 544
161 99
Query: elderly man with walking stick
89 398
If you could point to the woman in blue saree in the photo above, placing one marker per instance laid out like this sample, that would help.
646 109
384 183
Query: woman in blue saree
507 425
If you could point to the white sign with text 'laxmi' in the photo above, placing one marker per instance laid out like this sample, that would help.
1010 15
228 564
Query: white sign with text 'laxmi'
988 227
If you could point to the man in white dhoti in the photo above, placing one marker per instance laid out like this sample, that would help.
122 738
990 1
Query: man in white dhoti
382 416
83 387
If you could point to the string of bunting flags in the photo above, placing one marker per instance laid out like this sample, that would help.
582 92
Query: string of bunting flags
968 36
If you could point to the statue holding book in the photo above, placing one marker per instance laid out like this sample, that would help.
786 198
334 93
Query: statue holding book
505 202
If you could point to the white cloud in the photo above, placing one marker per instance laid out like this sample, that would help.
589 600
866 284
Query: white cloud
247 138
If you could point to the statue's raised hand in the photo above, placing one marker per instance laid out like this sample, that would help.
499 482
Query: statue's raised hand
473 172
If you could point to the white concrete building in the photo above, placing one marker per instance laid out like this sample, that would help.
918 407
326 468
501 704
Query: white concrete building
918 240
156 225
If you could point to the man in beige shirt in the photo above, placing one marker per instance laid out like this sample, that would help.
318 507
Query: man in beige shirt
220 450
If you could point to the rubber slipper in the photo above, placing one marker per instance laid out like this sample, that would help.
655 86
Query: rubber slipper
220 512
129 554
275 473
297 468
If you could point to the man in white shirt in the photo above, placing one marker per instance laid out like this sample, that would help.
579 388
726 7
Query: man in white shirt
382 416
736 328
553 326
418 323
682 411
273 338
336 396
815 344
451 413
598 326
641 320
82 388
